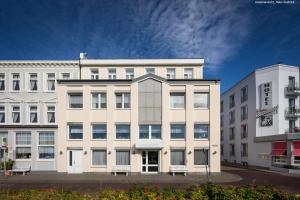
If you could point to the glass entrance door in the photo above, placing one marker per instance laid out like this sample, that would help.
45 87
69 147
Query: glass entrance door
150 162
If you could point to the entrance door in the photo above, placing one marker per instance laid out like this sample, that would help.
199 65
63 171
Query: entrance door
74 161
150 162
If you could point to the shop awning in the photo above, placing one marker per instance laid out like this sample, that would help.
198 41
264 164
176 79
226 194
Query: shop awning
296 152
278 152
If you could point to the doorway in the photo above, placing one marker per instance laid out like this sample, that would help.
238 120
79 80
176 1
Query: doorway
74 158
150 162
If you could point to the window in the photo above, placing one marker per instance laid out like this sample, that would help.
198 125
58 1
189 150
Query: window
244 131
23 145
99 157
222 106
51 114
94 74
231 117
201 100
75 131
99 131
232 150
201 131
46 145
231 133
231 101
65 75
296 160
177 157
16 114
33 114
200 157
3 137
129 73
122 157
177 100
266 95
2 114
177 131
188 73
244 152
150 71
222 135
2 81
51 81
244 112
170 73
122 100
75 100
33 82
244 94
98 100
150 131
112 74
279 159
123 131
222 150
16 82
222 120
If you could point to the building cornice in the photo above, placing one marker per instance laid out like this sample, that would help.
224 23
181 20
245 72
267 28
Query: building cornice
39 63
27 126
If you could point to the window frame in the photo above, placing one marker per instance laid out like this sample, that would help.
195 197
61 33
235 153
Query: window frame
122 100
30 112
65 73
46 145
92 131
123 150
50 111
112 73
244 154
69 98
33 79
149 132
69 131
178 124
93 75
244 97
171 75
12 114
99 100
184 157
149 68
231 101
244 112
3 112
53 79
188 73
207 103
173 94
3 79
18 80
207 157
23 145
116 131
98 166
208 132
129 73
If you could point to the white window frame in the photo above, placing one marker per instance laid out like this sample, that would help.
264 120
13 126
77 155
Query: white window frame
171 73
122 124
3 112
188 73
129 73
99 95
184 99
47 111
12 112
231 133
68 131
94 74
184 158
29 113
51 79
184 134
121 149
64 73
15 79
99 139
208 132
69 97
45 145
112 73
149 68
23 145
2 79
33 79
123 100
150 131
98 166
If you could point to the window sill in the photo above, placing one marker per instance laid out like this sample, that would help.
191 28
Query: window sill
74 139
99 166
45 160
200 166
177 108
201 108
122 108
122 139
23 159
74 108
177 139
98 139
201 139
98 108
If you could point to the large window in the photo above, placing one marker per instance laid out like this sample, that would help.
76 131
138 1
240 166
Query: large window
94 74
46 145
75 131
122 100
23 145
150 70
122 157
201 131
75 100
201 157
177 100
51 114
16 82
2 81
122 131
177 157
244 112
177 131
51 81
2 114
16 114
244 94
99 157
150 131
33 114
99 131
129 73
188 73
171 73
33 82
112 74
98 100
201 100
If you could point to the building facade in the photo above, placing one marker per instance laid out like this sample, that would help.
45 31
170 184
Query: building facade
139 116
28 110
260 119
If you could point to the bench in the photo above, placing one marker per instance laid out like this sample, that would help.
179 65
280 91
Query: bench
178 169
121 168
24 170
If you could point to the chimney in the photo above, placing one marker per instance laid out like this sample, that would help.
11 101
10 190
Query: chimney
83 56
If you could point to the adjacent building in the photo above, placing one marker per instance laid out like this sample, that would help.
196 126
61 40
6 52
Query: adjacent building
260 119
139 116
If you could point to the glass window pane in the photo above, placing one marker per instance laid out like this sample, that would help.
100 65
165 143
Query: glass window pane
126 100
75 100
123 131
177 157
177 100
155 131
119 100
99 131
23 138
46 138
99 157
23 152
201 157
144 131
201 100
201 131
123 157
75 131
46 152
177 131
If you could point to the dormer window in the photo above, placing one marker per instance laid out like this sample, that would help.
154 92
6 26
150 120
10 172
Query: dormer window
112 74
94 74
150 71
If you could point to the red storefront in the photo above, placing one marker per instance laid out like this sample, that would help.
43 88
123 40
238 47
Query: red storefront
279 151
296 152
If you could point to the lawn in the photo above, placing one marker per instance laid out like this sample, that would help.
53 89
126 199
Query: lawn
207 191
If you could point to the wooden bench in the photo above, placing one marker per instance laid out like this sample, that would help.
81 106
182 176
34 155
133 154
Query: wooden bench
24 170
178 169
121 169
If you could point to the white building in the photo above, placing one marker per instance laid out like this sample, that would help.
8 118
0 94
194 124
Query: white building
28 107
260 118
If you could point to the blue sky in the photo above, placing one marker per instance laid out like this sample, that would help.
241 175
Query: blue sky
233 36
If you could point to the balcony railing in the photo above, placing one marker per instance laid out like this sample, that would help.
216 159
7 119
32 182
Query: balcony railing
292 89
292 112
293 130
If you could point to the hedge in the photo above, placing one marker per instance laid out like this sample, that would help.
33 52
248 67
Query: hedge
207 191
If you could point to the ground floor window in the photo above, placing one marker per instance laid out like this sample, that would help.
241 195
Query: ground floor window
177 157
99 157
279 159
297 160
123 157
23 145
23 152
201 157
46 145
